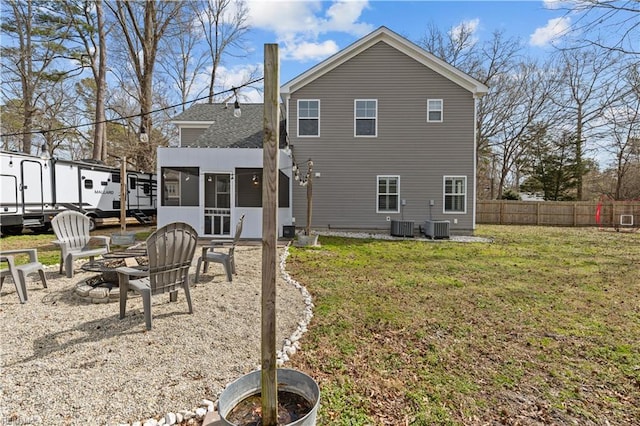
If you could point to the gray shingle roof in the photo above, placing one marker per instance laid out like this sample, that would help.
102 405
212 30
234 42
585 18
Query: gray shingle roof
227 131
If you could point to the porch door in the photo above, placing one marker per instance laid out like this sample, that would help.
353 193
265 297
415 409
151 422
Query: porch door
217 204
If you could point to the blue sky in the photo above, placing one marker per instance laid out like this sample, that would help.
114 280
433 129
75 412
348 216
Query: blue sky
309 31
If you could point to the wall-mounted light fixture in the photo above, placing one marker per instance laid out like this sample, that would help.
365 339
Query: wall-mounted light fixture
255 179
10 161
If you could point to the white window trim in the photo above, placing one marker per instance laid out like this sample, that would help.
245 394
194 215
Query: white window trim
298 119
444 194
441 111
397 177
355 118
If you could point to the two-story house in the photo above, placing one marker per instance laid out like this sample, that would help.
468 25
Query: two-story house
390 130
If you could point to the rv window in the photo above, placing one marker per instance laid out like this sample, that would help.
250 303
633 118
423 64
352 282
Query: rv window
132 183
103 183
115 177
146 188
88 183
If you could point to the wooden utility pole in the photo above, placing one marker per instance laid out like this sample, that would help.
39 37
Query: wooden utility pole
271 138
309 196
123 195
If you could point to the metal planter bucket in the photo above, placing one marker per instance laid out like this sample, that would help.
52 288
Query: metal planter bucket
288 380
123 239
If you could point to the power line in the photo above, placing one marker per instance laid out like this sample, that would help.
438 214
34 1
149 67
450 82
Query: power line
111 120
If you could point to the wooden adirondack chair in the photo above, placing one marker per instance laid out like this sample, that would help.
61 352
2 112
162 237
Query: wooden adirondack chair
170 250
72 230
226 259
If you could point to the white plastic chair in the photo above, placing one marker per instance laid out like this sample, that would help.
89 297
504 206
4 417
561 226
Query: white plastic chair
72 230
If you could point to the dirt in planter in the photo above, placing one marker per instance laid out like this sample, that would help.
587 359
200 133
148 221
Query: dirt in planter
291 407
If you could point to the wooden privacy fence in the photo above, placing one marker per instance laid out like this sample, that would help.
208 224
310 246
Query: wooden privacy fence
618 214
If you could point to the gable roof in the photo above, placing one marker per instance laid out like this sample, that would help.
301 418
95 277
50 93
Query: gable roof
224 130
396 41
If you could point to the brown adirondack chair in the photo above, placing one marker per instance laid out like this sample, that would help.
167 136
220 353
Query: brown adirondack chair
170 250
72 230
209 254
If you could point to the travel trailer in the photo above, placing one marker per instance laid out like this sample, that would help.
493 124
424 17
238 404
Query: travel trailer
35 189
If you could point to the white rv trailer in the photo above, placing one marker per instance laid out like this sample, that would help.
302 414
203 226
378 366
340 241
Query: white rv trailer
35 189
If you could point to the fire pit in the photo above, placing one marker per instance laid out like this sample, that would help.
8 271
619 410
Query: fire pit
103 288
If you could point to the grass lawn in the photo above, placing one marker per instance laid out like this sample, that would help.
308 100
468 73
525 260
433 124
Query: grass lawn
542 326
48 253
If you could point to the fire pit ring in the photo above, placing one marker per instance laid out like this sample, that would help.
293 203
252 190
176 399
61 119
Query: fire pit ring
103 287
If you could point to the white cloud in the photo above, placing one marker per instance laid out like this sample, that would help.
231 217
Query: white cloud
469 26
550 33
304 51
299 25
343 16
284 17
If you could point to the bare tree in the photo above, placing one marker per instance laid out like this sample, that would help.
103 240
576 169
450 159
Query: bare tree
11 124
142 25
185 64
588 87
88 24
457 46
524 100
223 23
60 119
623 121
606 24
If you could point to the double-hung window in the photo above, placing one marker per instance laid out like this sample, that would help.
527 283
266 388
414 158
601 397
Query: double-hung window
455 194
366 117
388 194
308 117
434 110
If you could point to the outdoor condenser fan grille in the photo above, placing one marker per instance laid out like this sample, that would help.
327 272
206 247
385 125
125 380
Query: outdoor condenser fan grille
402 228
436 229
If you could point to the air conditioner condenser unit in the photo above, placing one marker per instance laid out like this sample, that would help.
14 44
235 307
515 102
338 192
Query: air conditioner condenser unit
436 229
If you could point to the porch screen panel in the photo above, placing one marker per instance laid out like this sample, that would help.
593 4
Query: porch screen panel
249 188
180 186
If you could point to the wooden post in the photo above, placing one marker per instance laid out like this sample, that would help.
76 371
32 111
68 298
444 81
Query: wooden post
123 195
271 138
309 196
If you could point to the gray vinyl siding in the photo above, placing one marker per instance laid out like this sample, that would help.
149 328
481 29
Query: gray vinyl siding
189 135
421 153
